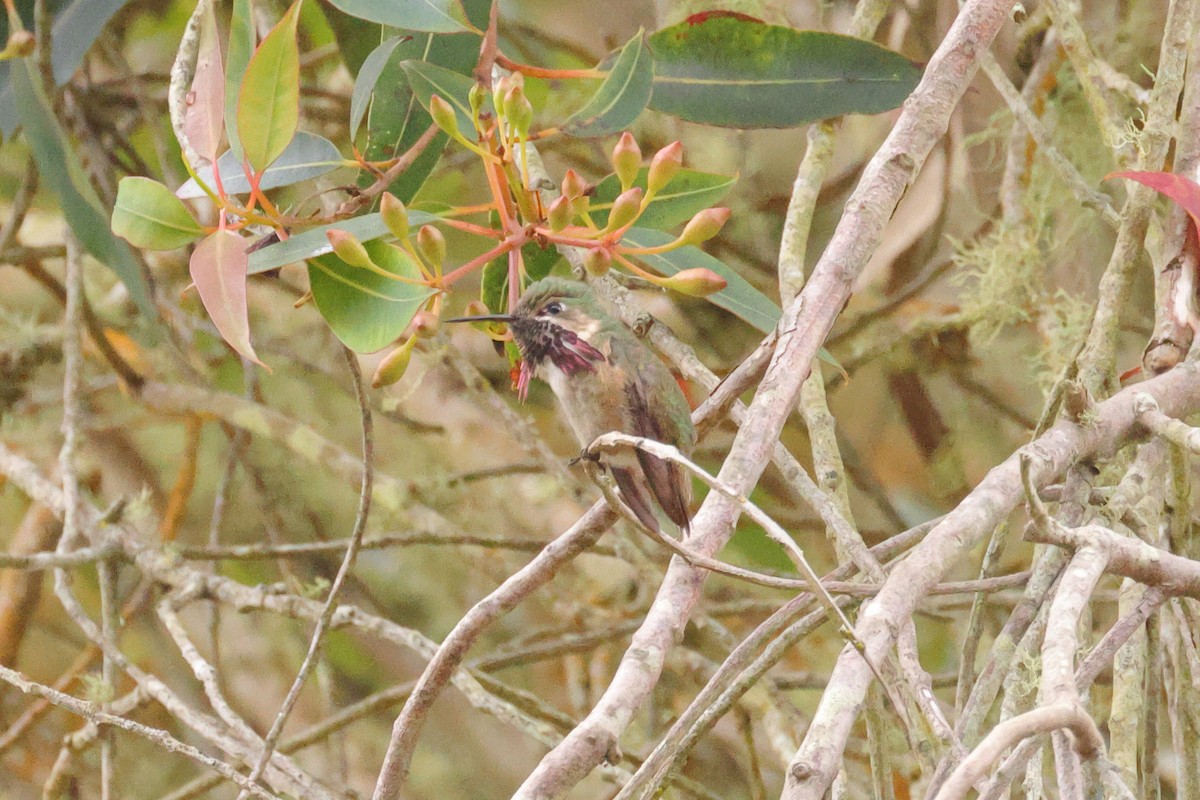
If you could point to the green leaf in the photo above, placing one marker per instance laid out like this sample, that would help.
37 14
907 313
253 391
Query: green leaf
62 173
428 79
147 215
305 158
688 192
76 27
432 16
738 298
621 97
396 120
218 269
240 50
364 84
366 311
727 70
312 242
269 104
356 38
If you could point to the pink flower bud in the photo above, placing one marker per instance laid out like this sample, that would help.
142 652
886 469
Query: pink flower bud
626 160
558 216
572 185
443 115
705 225
696 282
425 324
432 245
348 248
597 261
393 365
625 209
395 215
664 166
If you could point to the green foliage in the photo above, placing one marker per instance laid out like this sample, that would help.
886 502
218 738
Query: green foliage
367 311
269 102
739 298
622 96
728 70
147 215
59 165
688 192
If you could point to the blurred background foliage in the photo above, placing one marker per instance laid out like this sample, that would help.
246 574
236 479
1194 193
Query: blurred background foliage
964 318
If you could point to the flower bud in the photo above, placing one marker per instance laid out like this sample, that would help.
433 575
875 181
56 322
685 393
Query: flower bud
572 185
580 206
432 245
597 261
348 248
518 110
558 215
664 166
443 115
695 282
625 209
476 97
705 225
425 324
393 365
395 215
476 308
499 90
20 44
626 160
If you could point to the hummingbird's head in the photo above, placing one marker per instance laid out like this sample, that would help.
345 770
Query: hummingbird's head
554 321
552 325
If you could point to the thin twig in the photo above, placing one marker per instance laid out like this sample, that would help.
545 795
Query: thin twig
330 606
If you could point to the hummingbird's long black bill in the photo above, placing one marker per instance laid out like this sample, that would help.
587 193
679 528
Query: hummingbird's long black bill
483 318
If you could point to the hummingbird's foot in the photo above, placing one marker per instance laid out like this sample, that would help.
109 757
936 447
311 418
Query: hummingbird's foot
643 324
585 454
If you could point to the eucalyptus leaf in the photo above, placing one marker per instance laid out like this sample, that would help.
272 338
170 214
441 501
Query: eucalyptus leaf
306 157
147 215
688 192
312 242
432 16
622 96
726 69
428 79
61 171
367 311
268 109
738 298
364 84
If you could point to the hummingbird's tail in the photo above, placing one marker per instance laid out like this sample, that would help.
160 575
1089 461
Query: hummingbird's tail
635 497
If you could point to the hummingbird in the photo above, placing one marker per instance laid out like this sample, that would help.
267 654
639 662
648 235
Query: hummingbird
605 380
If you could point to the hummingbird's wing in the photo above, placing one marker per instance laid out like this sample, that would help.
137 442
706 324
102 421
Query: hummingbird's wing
667 481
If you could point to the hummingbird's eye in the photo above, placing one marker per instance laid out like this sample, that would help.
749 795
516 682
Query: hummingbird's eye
553 308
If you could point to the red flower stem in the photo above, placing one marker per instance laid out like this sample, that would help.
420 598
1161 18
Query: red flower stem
546 72
499 250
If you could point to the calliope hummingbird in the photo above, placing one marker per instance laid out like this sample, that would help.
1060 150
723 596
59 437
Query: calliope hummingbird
605 380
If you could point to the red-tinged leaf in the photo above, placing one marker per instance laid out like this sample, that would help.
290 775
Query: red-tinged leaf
1183 191
218 269
705 16
204 118
269 103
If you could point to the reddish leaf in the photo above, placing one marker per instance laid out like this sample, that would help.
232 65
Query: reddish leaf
204 118
705 16
1183 191
218 269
